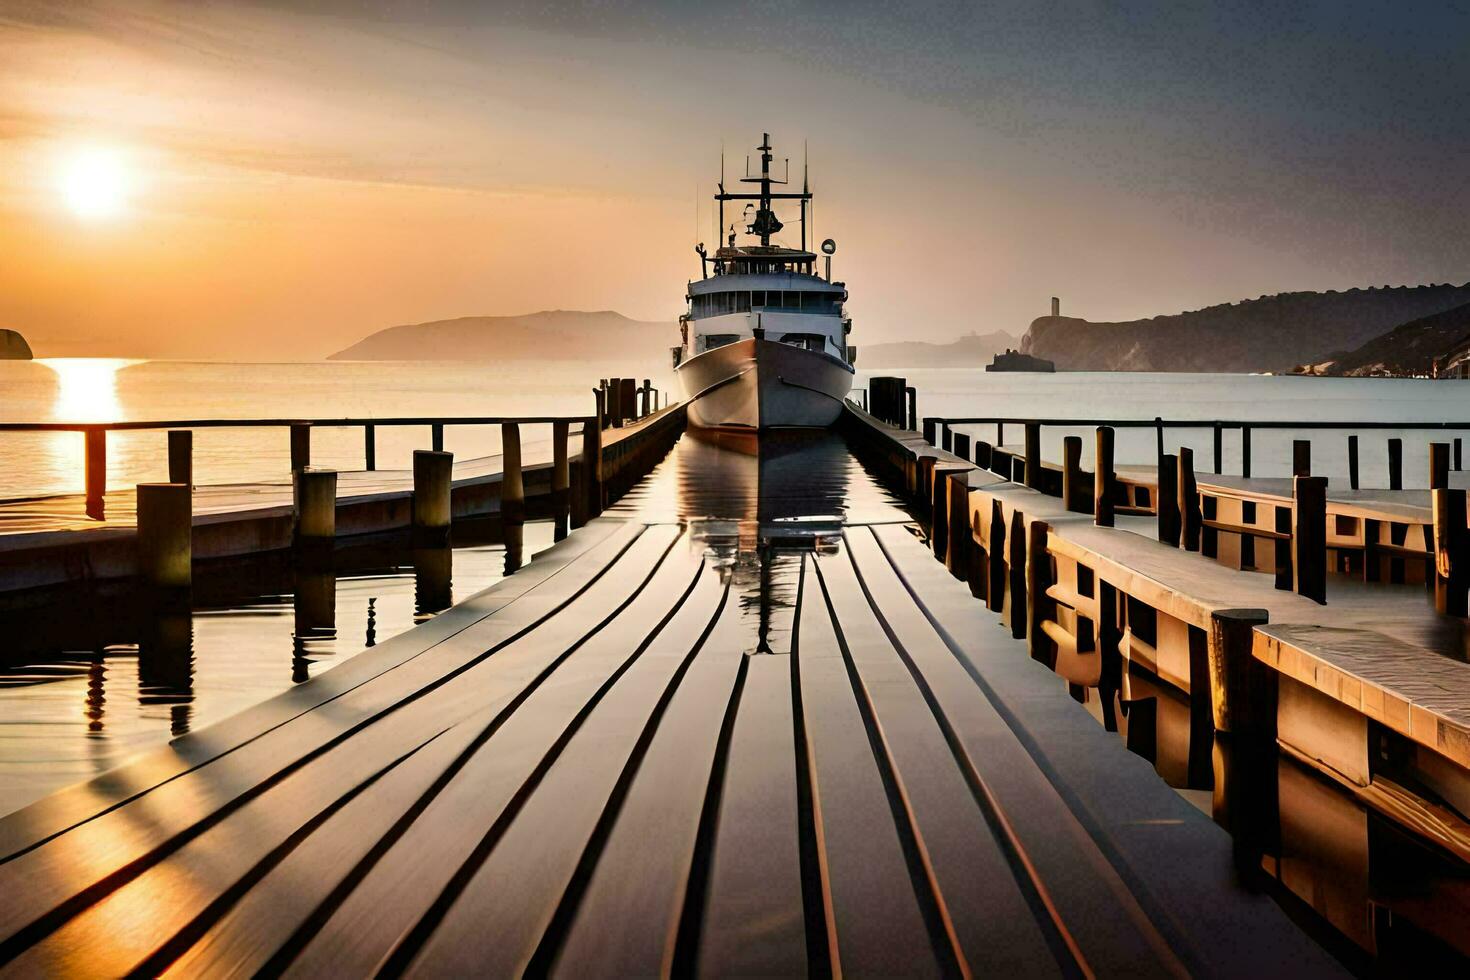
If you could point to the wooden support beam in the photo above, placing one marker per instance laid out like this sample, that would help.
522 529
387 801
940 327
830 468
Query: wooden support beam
436 437
1033 455
314 506
1301 457
1459 459
1242 688
1439 465
1167 508
627 399
1451 554
181 457
931 431
1102 478
1245 451
433 479
512 487
1395 464
300 446
957 554
1016 540
370 447
1075 495
1219 435
1039 606
96 471
996 574
1309 537
165 536
561 477
1352 462
1191 517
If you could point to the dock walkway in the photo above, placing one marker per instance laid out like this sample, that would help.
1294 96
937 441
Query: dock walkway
587 769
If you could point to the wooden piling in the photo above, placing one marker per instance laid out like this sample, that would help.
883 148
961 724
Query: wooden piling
1395 464
1353 462
300 446
937 497
512 487
1309 537
1167 506
181 457
1190 516
1219 438
1039 579
433 480
995 576
165 536
1033 455
561 474
1245 451
1242 688
589 502
96 471
1439 465
1074 492
1016 539
1102 478
1301 457
957 554
314 505
370 447
1451 555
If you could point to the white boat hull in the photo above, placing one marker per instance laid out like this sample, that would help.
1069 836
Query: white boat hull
763 384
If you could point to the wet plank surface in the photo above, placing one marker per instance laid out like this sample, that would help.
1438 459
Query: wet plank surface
592 768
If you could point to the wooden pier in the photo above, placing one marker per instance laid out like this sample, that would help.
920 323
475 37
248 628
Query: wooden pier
592 768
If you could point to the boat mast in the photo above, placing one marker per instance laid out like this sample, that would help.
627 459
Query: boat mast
765 149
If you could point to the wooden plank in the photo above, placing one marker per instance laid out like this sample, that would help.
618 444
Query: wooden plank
494 784
987 919
496 924
110 850
872 914
574 563
754 919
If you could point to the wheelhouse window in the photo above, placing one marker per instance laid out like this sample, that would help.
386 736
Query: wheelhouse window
806 341
743 301
713 340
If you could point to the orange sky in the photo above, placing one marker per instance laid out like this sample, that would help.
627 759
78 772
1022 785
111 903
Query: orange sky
295 181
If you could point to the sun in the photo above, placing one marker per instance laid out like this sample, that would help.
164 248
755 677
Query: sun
94 183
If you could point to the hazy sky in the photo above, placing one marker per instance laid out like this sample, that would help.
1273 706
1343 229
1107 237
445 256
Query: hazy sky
278 180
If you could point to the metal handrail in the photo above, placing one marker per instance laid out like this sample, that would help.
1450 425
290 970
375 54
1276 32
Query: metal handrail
284 422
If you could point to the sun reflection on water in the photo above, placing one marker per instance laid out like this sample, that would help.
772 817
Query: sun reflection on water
86 388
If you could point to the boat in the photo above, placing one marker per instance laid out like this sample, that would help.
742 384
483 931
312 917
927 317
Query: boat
764 340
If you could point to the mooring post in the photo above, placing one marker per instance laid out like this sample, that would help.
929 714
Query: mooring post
1102 478
1451 574
962 446
1395 464
612 413
995 576
1074 494
1301 457
628 399
512 488
1309 537
300 446
1190 516
165 536
1245 451
1439 465
1039 579
314 506
370 447
938 498
96 471
561 477
931 430
436 437
1033 455
957 554
181 457
1242 688
433 481
1167 508
1020 605
1219 448
1353 462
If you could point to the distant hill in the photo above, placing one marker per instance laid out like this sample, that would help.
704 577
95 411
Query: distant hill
1272 333
1408 350
557 334
971 350
13 346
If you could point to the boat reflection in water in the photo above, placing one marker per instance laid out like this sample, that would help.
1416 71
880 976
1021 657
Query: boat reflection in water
1384 900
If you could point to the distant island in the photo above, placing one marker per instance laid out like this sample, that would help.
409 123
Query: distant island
550 334
13 346
1422 348
1270 334
971 350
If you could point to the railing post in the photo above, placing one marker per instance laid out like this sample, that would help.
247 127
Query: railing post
611 412
181 457
436 437
912 398
561 477
1167 506
1074 494
946 437
647 398
962 446
1458 458
1102 478
1309 537
1039 579
931 431
1395 464
627 397
300 446
1219 435
592 461
370 447
1245 451
995 576
1301 457
165 536
1033 455
1190 516
1158 437
314 506
96 471
433 485
512 487
1451 559
1439 465
1353 462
